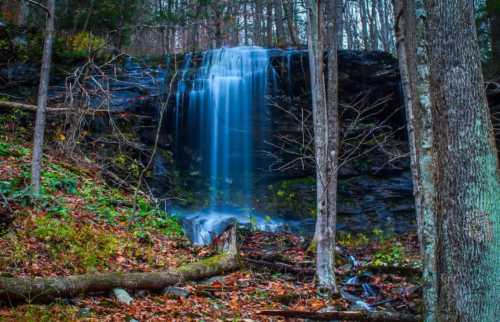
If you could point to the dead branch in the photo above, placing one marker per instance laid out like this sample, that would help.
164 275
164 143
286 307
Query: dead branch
280 267
346 316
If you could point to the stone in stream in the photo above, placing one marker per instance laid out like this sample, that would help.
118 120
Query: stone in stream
122 296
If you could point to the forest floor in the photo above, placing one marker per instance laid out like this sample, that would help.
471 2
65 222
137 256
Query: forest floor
80 224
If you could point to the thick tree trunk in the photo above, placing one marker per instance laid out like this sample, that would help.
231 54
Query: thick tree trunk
467 181
324 141
42 98
44 290
418 110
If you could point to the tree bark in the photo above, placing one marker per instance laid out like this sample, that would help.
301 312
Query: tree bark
42 98
467 182
43 290
419 125
325 137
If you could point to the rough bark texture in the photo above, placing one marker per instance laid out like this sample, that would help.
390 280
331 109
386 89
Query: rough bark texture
325 140
42 98
47 289
414 78
467 182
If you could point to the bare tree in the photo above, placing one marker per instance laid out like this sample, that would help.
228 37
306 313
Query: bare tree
42 98
325 118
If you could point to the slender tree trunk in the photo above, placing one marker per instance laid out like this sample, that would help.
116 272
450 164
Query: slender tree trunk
419 118
257 20
278 21
269 24
494 15
339 9
245 23
363 8
42 99
325 158
373 25
22 18
467 181
384 24
290 17
332 15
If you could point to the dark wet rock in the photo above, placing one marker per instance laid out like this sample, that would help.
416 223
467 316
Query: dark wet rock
176 292
213 279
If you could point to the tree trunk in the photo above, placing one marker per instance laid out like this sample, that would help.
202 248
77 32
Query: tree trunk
339 9
42 99
493 7
363 8
418 111
269 24
325 164
257 20
373 25
290 18
43 290
467 181
278 21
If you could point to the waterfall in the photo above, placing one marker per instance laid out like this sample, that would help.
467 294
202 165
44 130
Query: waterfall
229 88
227 92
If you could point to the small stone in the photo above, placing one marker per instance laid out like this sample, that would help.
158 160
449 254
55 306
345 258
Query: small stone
122 296
84 312
176 292
213 279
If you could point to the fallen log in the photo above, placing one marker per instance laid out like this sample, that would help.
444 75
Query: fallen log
46 289
346 316
43 290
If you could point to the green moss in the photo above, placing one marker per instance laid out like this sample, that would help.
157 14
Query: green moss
42 313
79 247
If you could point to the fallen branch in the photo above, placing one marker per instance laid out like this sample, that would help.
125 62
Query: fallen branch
347 316
7 105
280 267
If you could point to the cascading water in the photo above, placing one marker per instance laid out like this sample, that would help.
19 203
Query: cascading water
227 93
